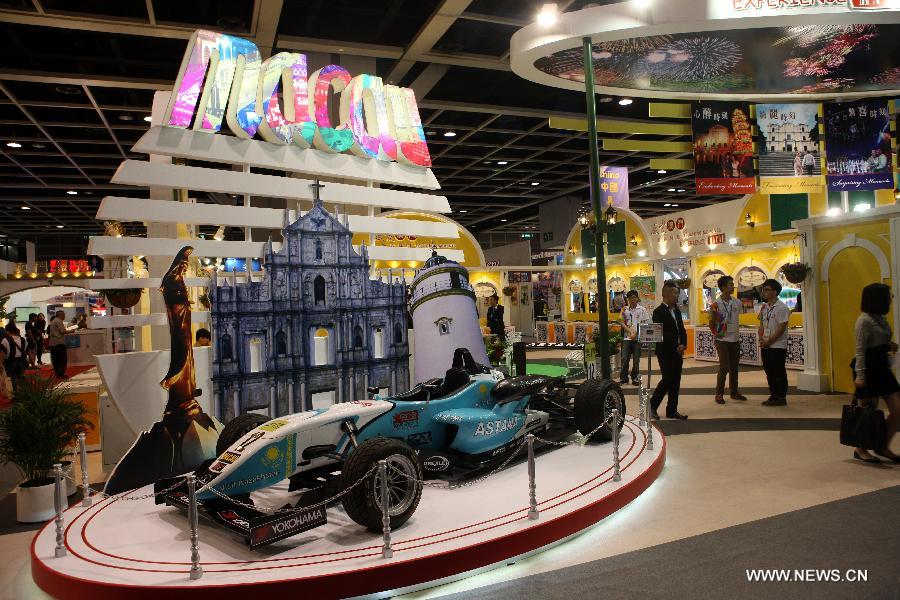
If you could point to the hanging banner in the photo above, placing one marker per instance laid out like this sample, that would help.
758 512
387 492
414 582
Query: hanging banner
858 146
723 148
789 158
614 186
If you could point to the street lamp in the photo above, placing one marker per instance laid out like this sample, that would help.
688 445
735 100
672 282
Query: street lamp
611 216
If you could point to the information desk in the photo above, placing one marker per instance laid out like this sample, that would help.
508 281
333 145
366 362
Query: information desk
750 351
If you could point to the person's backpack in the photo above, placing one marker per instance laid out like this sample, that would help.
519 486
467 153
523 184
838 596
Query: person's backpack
16 352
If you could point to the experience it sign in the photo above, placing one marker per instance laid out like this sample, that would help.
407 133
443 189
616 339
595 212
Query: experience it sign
222 78
743 8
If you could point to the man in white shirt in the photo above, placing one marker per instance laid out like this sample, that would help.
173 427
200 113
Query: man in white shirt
724 322
632 315
773 322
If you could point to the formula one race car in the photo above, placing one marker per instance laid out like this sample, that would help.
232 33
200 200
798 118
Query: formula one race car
463 424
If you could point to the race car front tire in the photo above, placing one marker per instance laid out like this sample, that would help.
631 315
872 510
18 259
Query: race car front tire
363 502
237 428
594 401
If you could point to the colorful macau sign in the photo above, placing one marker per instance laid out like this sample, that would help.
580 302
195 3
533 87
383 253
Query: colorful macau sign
222 77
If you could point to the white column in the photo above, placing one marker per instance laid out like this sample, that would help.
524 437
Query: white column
811 378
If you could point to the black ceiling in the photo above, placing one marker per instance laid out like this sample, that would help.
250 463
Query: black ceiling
78 78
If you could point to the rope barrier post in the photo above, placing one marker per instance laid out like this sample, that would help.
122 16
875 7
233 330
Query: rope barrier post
643 402
196 569
617 473
649 428
532 487
85 484
58 496
386 551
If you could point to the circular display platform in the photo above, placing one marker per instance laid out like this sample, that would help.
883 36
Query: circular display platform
748 49
122 547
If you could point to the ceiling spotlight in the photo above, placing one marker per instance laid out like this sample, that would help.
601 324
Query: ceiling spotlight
667 204
220 233
661 171
671 190
625 101
462 211
535 183
504 220
502 162
26 208
39 146
126 117
674 206
72 193
548 16
680 191
60 226
449 134
605 100
148 118
14 144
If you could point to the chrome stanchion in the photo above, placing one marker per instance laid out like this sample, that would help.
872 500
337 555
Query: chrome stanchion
649 427
617 473
58 496
196 569
85 484
386 551
533 513
643 401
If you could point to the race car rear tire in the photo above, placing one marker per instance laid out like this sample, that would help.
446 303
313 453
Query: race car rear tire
363 502
238 428
594 401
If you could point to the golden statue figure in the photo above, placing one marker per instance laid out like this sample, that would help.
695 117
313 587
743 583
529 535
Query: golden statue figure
186 436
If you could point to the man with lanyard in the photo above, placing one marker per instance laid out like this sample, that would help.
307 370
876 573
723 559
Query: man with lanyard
632 316
669 352
724 321
773 322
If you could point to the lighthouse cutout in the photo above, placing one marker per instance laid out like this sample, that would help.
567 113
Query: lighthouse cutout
444 317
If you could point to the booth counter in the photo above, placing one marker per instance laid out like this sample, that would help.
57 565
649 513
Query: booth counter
750 350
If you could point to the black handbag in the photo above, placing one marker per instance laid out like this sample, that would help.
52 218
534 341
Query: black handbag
862 426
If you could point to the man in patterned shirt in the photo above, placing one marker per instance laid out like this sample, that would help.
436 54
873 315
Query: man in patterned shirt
632 315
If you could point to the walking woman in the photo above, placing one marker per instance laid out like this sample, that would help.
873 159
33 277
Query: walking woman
872 364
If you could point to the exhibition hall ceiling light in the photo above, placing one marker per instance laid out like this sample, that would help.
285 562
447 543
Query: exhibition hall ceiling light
126 117
504 220
535 183
72 193
680 191
60 226
662 171
502 162
462 211
667 204
26 208
14 144
220 233
449 134
548 16
671 190
625 101
148 118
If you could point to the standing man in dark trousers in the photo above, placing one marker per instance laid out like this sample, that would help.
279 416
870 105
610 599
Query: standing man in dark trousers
56 332
669 352
773 322
495 318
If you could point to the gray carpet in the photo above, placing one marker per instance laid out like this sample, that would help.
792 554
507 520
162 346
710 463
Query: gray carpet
862 532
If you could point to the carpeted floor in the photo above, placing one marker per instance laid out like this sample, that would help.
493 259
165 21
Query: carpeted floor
714 565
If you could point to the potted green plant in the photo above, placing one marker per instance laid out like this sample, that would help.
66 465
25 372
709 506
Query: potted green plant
123 298
35 433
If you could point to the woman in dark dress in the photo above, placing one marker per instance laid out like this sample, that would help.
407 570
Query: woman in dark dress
872 364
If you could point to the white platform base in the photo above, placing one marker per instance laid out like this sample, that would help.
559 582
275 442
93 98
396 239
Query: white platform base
135 547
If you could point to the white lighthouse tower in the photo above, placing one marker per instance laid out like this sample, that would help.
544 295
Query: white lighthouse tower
444 317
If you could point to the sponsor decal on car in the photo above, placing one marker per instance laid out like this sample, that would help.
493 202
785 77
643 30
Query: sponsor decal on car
229 457
494 427
233 517
362 403
288 526
407 419
272 425
419 439
217 466
249 480
272 456
436 463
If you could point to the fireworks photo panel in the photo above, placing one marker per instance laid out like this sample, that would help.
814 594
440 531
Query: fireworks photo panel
799 59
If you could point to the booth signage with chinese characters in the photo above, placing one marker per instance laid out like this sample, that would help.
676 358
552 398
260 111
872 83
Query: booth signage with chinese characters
223 77
614 186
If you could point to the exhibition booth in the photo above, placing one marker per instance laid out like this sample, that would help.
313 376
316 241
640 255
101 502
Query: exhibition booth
344 432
